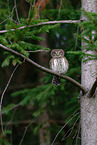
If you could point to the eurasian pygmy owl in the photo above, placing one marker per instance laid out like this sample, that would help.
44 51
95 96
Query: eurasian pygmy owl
58 64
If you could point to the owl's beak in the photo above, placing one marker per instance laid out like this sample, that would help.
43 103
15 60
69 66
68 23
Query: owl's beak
58 55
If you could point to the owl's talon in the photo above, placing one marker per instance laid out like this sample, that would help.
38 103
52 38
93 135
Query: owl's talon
56 80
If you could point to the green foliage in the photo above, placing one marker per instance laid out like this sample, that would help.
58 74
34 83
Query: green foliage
3 138
59 101
48 97
88 35
68 14
6 109
23 39
83 54
3 13
38 127
38 95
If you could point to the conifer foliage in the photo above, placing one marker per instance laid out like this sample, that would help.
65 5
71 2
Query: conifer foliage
21 37
88 34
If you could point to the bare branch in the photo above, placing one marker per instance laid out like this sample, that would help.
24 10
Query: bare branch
78 132
63 128
22 122
15 106
26 128
44 23
16 11
45 69
60 7
70 130
4 93
93 89
9 14
41 50
29 9
3 21
13 88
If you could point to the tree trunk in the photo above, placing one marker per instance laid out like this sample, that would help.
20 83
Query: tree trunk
44 134
89 105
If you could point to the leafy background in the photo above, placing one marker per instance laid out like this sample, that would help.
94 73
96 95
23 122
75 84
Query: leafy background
31 104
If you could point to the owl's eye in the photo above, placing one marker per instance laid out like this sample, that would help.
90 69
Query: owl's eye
54 53
60 52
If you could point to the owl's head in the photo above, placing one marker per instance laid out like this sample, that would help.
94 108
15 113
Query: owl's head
56 53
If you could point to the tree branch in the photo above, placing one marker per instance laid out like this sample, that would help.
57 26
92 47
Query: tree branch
16 11
13 88
93 89
4 93
41 50
44 23
45 69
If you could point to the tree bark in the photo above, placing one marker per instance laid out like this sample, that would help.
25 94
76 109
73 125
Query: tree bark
89 105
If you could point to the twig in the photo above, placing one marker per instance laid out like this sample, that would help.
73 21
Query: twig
64 127
3 21
6 126
78 134
45 69
34 3
26 128
13 20
13 10
70 129
8 7
41 50
13 107
23 135
7 19
76 39
16 11
39 5
4 93
9 15
13 88
27 1
44 23
75 134
60 7
29 9
22 122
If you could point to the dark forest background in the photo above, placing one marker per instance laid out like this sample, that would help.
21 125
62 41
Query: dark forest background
33 110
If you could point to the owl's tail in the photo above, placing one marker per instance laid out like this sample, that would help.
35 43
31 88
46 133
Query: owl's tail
56 80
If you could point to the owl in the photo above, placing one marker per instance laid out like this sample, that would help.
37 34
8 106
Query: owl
58 64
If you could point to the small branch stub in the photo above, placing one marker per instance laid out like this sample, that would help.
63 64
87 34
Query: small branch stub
93 89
